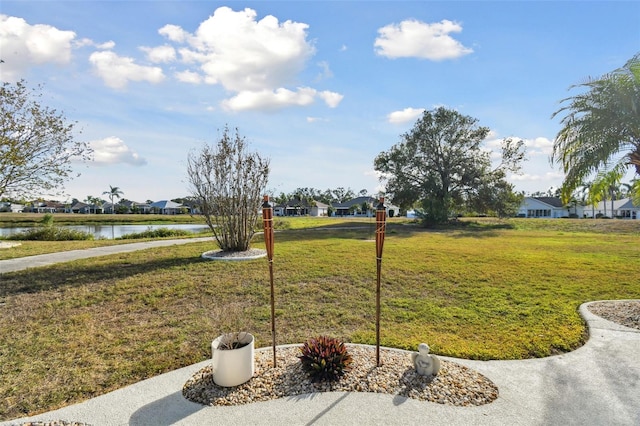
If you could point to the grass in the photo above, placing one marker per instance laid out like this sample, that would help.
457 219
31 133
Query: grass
486 290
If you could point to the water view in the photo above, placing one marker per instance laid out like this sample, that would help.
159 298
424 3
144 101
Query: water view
112 231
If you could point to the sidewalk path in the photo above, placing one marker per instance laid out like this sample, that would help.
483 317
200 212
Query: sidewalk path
21 263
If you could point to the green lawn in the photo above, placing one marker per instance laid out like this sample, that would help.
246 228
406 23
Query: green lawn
493 290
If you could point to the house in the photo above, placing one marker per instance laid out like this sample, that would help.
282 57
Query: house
84 208
297 207
135 207
11 207
109 208
166 207
622 209
46 207
359 206
548 207
363 207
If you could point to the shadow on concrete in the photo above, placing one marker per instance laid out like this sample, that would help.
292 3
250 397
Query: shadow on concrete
165 411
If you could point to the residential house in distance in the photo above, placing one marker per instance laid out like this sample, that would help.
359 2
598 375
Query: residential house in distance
359 207
126 206
46 207
166 207
135 207
7 207
84 208
548 207
622 209
297 207
363 206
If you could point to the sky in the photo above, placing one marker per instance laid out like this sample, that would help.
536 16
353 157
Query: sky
318 87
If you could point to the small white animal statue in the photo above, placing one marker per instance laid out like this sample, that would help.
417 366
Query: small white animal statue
425 363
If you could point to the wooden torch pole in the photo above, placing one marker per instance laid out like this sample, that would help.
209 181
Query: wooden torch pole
381 215
267 221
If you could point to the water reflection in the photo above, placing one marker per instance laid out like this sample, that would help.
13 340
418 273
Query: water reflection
113 231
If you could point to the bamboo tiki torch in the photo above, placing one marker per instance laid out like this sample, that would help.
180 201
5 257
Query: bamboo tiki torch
267 221
381 216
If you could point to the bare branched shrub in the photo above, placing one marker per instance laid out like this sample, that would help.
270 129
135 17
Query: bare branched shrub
228 182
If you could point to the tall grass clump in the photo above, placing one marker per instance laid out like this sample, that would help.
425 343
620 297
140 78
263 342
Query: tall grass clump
156 233
47 231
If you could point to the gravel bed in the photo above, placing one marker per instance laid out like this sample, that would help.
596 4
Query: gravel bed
623 312
454 384
253 253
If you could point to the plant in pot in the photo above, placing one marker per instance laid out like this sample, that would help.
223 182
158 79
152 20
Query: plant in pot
232 352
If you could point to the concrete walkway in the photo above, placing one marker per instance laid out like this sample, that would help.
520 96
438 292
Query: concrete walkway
598 384
11 265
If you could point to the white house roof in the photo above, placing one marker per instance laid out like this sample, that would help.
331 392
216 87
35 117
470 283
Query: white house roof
165 204
622 204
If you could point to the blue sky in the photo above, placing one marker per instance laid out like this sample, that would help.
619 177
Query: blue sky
320 88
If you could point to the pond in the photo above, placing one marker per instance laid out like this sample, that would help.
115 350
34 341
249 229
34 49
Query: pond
112 231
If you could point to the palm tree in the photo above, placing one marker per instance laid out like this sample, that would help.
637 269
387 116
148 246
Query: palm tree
585 197
601 127
113 192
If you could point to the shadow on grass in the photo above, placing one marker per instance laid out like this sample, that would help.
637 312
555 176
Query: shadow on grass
65 275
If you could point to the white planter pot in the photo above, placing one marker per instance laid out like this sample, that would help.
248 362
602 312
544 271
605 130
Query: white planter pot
233 367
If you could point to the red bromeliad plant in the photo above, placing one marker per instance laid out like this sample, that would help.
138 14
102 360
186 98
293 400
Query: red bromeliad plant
325 358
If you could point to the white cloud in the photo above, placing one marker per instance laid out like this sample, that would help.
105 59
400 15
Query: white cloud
116 71
413 38
113 150
84 42
278 99
189 77
244 54
23 45
174 33
548 176
539 146
270 100
332 99
106 45
325 71
160 54
257 60
316 119
404 116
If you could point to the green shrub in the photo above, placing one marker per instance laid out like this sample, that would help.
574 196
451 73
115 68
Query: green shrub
47 220
51 233
325 358
156 233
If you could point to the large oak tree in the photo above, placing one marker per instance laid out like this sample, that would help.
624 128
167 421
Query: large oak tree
441 165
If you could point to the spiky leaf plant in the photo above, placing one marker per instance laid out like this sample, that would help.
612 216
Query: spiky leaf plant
325 358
